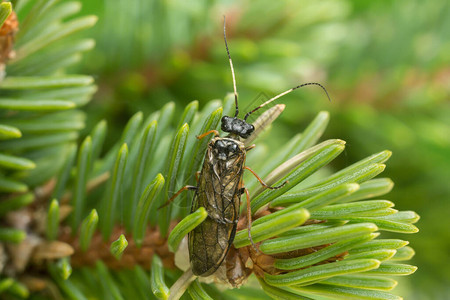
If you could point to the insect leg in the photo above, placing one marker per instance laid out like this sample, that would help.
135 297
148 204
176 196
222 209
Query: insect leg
263 183
249 216
197 176
250 148
216 133
187 187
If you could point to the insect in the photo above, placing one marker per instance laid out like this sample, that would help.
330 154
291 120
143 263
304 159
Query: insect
220 186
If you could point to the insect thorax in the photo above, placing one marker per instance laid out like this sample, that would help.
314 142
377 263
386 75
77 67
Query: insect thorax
225 149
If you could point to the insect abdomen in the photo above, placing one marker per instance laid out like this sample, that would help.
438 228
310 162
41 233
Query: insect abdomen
209 242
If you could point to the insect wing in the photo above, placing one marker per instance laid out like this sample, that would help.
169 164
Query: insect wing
218 193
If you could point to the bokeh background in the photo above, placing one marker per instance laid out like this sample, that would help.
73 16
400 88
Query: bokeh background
386 65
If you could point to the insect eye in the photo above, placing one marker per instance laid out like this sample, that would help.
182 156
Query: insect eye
226 123
247 130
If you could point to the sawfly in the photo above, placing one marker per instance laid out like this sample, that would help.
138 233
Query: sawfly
220 186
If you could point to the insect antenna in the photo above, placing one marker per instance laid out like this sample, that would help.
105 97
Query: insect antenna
232 69
284 93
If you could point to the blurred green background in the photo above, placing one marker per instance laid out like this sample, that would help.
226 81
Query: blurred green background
386 65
